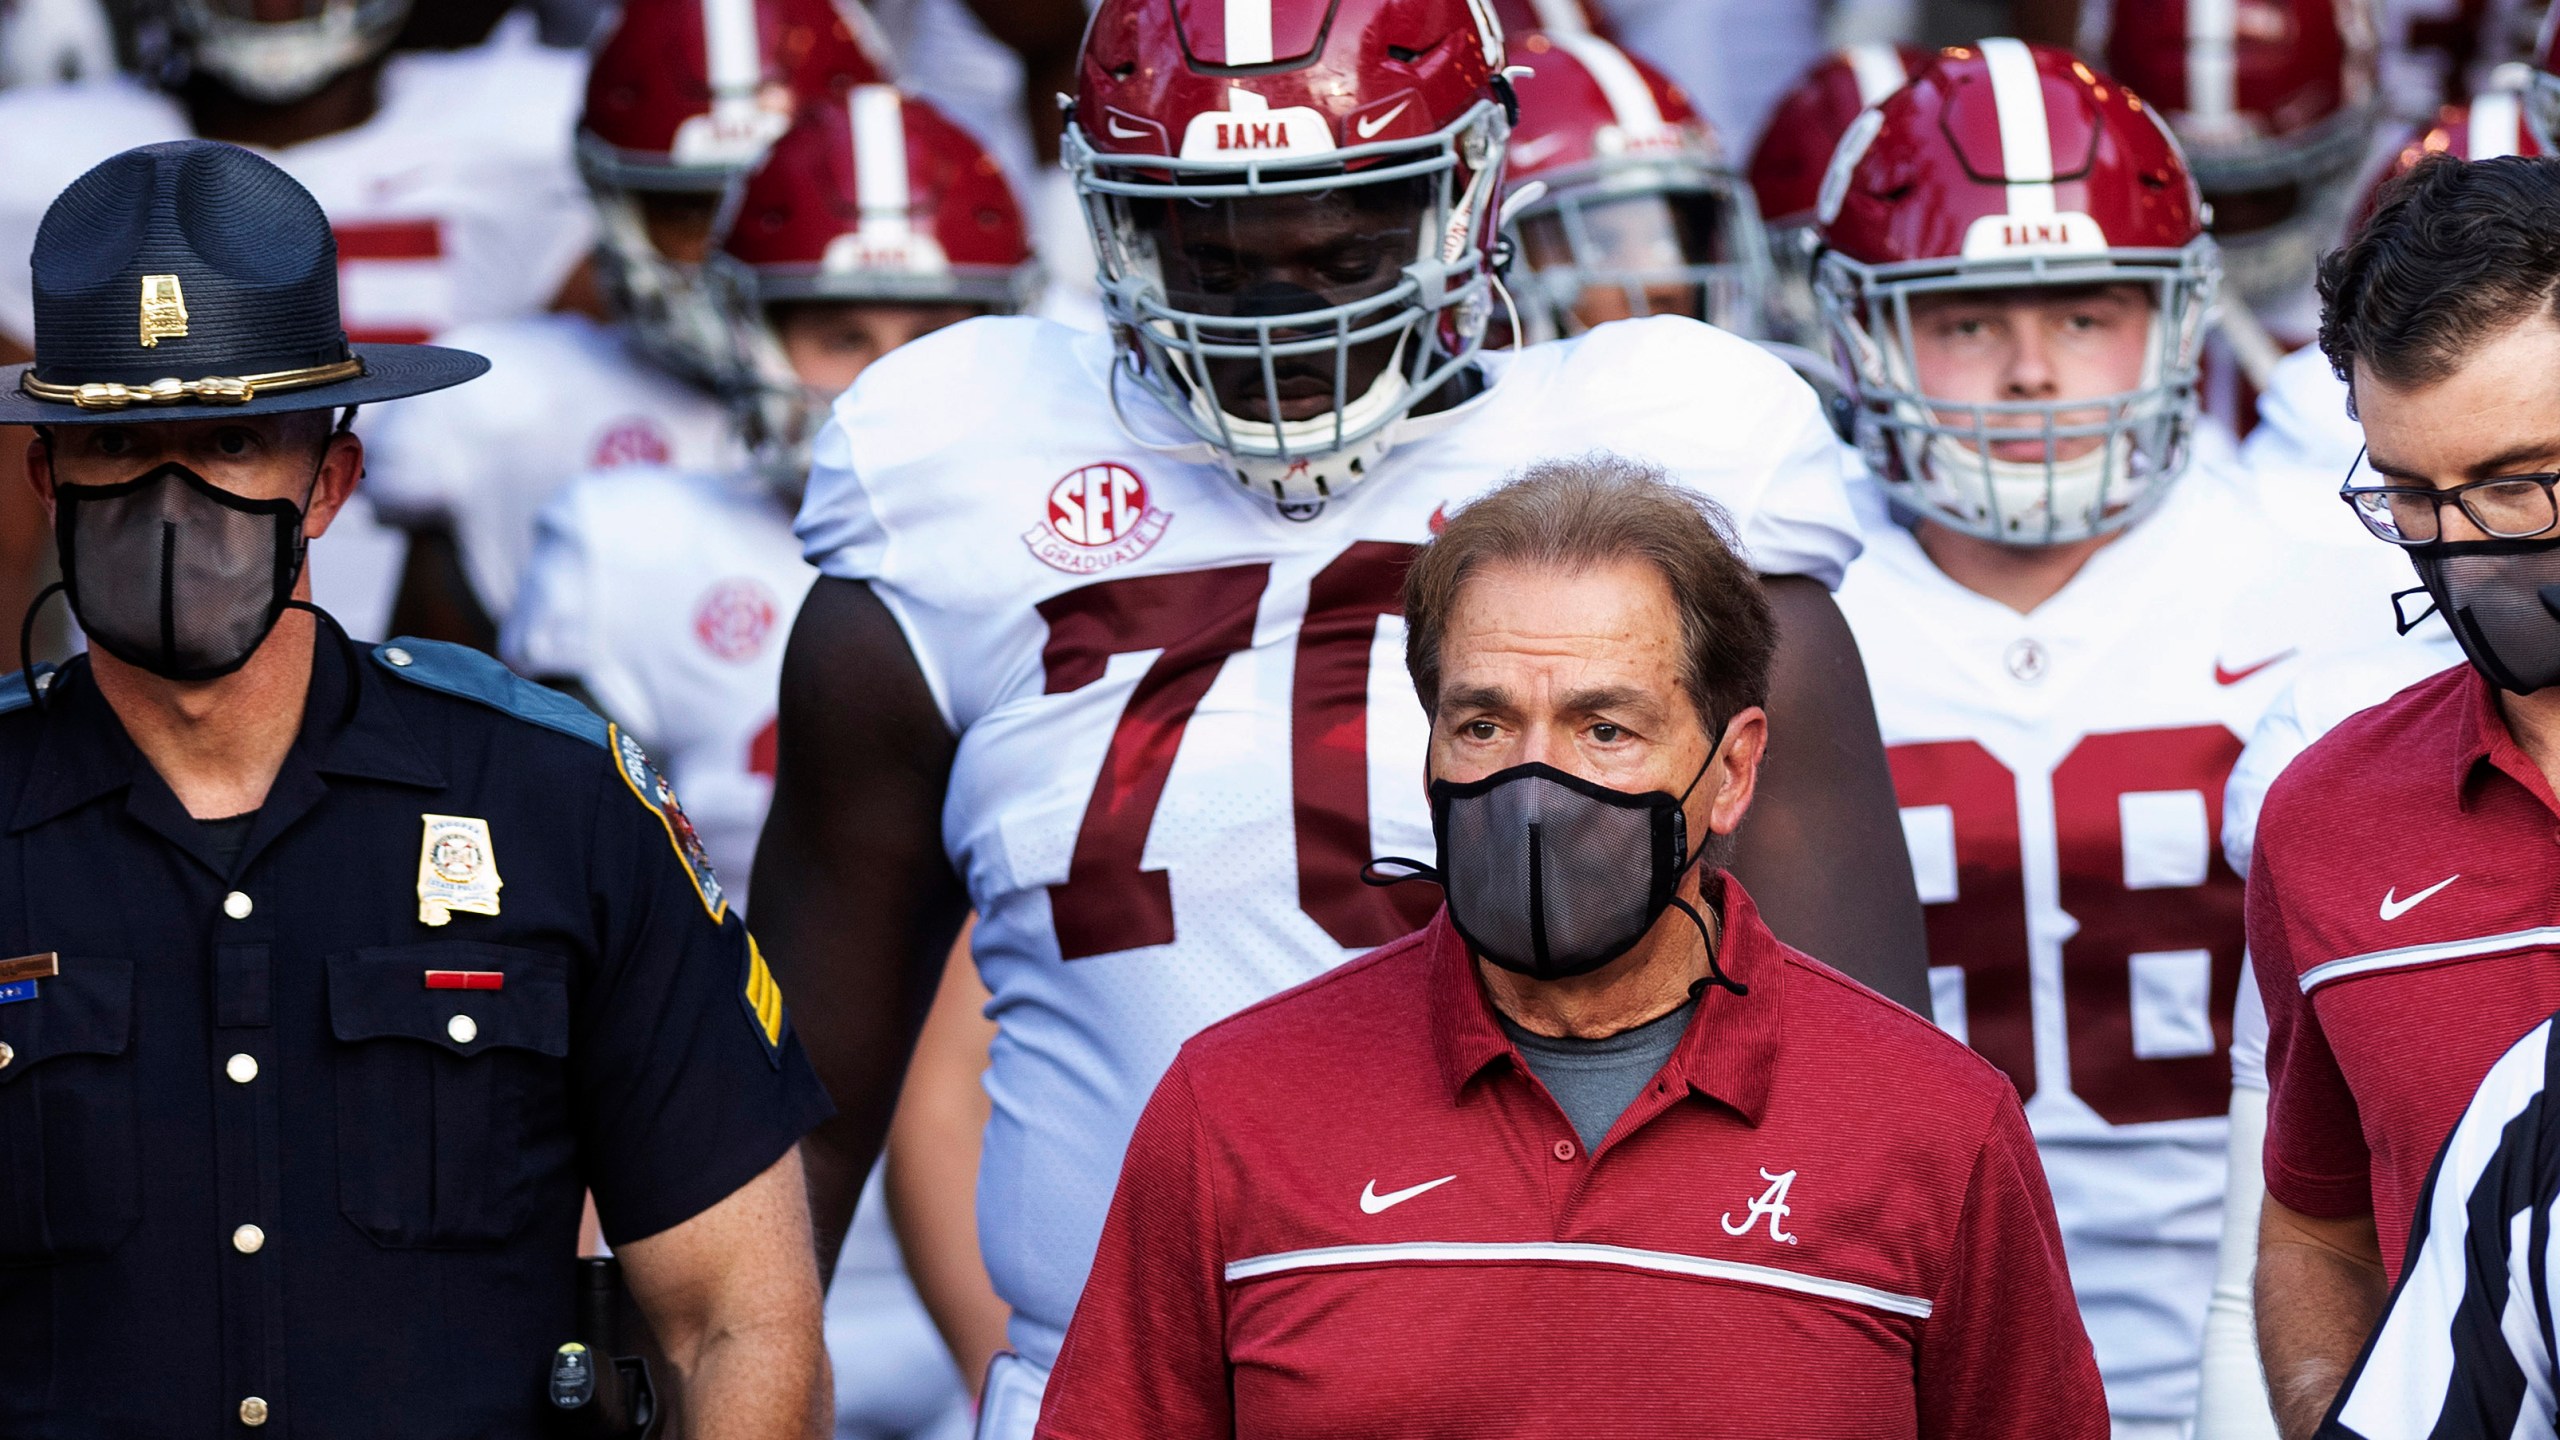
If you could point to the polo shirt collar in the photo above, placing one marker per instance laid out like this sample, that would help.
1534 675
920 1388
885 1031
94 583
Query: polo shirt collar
1728 1054
84 751
2481 735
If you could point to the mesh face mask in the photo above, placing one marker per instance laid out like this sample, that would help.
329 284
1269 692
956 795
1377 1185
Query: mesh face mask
1550 875
174 574
2502 599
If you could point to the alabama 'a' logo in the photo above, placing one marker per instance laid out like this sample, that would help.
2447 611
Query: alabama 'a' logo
1772 1204
1098 516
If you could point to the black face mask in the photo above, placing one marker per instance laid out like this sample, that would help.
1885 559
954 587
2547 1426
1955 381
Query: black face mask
173 574
2502 600
1550 875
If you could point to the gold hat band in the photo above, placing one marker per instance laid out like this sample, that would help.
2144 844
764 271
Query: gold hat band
213 389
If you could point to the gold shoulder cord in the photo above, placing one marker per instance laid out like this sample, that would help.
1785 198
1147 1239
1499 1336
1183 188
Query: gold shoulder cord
213 389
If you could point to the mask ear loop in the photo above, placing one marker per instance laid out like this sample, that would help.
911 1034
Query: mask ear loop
1716 975
27 643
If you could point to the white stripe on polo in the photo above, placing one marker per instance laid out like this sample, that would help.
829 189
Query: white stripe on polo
1445 1252
2351 966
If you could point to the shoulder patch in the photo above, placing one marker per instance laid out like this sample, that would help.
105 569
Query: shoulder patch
465 673
659 797
18 690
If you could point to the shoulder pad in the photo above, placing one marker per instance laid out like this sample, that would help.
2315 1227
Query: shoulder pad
14 692
465 673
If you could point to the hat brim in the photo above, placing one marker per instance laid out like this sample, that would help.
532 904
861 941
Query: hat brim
391 372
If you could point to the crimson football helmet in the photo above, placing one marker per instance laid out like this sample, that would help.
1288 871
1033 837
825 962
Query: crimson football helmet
1635 207
877 200
684 97
2492 125
277 62
2276 104
1794 150
2007 165
1294 208
2542 89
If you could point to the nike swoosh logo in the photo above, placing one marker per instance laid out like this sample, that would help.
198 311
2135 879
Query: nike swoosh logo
1439 517
1118 131
1528 153
1371 1202
2234 677
2393 907
1370 125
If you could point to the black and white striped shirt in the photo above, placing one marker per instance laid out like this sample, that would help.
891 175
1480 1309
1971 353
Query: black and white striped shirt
2464 1350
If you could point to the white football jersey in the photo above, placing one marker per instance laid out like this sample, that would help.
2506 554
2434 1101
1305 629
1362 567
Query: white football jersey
668 595
457 201
564 394
2060 775
1184 719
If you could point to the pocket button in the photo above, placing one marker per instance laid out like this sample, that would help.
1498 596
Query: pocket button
463 1029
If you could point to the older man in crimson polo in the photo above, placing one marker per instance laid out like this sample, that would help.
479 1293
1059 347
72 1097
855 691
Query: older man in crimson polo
1593 1153
2404 893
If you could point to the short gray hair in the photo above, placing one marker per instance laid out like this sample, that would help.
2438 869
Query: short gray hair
1593 510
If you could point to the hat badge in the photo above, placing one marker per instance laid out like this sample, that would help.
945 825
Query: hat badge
164 310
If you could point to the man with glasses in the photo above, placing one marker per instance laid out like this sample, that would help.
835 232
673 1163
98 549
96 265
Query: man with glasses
2402 915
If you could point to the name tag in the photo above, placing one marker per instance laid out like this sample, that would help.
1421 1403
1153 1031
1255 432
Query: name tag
22 990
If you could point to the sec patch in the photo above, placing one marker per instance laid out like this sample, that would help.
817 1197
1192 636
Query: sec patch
1098 516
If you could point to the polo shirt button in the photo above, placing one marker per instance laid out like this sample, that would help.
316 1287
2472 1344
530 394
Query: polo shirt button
248 1239
237 905
1565 1150
241 1068
253 1412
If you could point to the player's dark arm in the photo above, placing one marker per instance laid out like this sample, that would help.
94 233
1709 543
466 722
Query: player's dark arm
855 904
1822 852
1046 34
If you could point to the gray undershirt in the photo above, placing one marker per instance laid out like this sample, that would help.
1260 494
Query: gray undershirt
1596 1080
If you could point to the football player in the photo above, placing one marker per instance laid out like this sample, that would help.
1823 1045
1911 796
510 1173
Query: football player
2075 608
1635 210
446 177
664 594
1103 615
681 102
1788 163
2278 109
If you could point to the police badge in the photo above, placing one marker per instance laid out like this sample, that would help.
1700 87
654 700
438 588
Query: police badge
457 869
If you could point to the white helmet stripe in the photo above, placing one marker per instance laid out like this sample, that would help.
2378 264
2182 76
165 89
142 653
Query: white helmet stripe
1878 70
2497 124
2213 74
1630 99
1248 32
1561 17
729 48
880 158
2026 141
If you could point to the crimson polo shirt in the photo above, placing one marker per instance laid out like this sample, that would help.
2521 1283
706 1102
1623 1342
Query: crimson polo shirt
2404 917
1353 1211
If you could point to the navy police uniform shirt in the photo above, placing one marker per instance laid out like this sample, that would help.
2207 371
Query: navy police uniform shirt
280 1157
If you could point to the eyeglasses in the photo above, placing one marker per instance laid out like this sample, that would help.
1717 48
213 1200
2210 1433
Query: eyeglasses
2509 507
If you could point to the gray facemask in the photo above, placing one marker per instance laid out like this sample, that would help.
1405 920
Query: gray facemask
1550 875
2502 600
173 574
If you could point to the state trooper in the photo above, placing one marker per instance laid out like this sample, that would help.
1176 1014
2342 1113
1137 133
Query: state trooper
331 976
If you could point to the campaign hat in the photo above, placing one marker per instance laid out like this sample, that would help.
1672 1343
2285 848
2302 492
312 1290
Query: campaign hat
194 280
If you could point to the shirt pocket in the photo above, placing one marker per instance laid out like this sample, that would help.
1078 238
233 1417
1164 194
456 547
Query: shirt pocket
453 1104
70 1146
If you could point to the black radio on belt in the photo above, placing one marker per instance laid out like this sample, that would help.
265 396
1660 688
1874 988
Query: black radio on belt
596 1393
